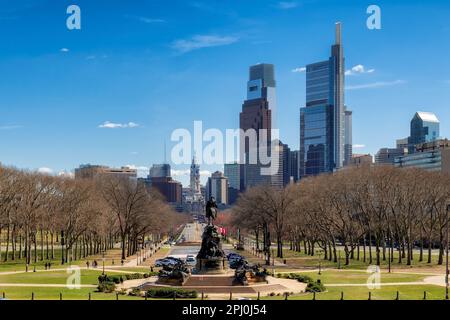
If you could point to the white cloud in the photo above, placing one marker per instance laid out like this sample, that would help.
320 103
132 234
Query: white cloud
205 173
375 85
202 41
146 19
358 69
64 50
287 5
178 173
359 146
112 125
298 70
45 170
10 127
66 174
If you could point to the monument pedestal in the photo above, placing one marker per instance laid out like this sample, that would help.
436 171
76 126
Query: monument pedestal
218 265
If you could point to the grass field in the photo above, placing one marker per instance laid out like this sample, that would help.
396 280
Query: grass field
362 293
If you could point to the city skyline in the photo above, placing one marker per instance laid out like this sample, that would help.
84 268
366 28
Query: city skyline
102 96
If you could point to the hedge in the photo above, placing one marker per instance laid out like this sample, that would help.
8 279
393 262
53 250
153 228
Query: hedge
171 293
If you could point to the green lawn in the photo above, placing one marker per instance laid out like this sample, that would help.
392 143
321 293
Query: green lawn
41 293
348 276
51 277
362 293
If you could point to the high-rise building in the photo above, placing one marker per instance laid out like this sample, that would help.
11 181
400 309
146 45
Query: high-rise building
169 188
430 156
92 171
256 115
424 128
294 165
217 187
235 180
387 155
348 149
324 120
160 171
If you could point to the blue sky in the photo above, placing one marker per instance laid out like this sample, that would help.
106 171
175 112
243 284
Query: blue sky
155 66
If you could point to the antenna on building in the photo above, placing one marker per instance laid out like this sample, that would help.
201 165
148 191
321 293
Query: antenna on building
338 33
165 152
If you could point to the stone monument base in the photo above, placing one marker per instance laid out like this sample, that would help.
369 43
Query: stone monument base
217 265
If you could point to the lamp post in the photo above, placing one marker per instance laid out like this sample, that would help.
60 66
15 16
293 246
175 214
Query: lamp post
446 255
389 255
103 262
320 263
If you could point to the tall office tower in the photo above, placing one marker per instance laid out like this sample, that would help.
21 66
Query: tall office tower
159 171
217 187
424 128
348 149
235 180
323 120
293 165
256 115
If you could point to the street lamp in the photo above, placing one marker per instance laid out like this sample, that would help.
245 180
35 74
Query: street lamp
320 263
446 253
103 261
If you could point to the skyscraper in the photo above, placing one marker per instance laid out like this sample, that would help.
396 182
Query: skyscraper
348 149
424 128
217 187
159 171
325 126
257 115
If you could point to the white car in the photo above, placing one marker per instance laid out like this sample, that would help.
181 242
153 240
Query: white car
191 261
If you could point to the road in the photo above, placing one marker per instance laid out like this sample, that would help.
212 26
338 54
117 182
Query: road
192 234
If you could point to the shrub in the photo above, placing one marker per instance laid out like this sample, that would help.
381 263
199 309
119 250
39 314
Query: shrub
106 287
136 292
171 292
134 276
315 287
296 276
106 278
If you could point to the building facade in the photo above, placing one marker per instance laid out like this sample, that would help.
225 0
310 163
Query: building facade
386 156
424 128
217 187
169 188
325 124
159 171
88 171
430 156
256 116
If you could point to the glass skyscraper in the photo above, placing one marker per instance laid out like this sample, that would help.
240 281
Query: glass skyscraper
256 115
424 128
325 124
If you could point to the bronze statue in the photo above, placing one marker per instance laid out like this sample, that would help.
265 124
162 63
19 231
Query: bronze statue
211 211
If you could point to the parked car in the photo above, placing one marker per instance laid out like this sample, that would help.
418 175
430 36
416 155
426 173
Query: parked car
190 260
168 261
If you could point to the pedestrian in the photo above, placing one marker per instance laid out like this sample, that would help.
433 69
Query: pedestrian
151 269
87 264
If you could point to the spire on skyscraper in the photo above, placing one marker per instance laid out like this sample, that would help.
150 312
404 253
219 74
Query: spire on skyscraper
338 33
